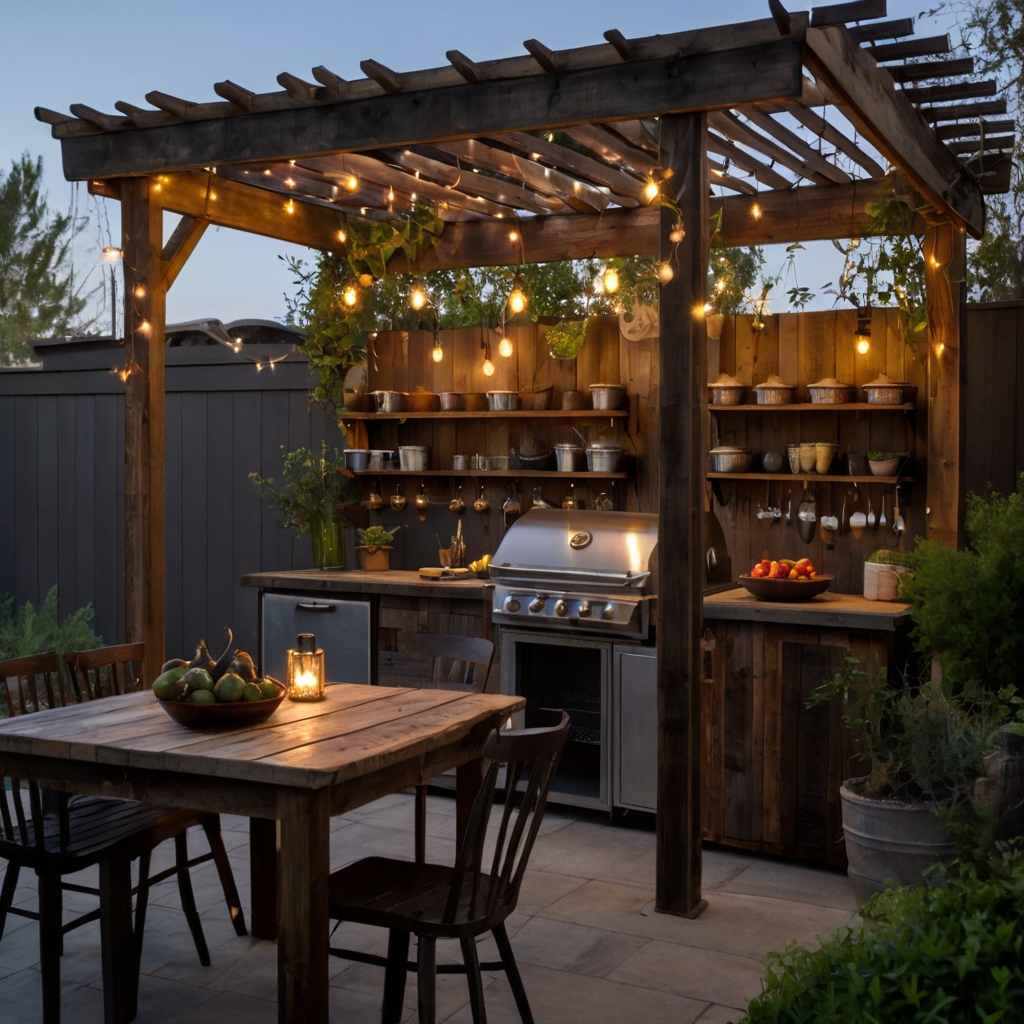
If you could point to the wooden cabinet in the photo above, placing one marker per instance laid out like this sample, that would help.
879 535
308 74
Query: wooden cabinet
772 766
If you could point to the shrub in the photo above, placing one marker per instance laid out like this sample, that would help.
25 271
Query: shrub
375 536
951 954
35 631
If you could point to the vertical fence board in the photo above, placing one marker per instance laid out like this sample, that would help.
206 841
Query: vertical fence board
107 458
9 490
48 493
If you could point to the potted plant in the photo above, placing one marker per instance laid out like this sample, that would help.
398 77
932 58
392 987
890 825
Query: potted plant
313 497
374 549
925 746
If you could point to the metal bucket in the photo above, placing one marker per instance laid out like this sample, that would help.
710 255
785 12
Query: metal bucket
603 460
568 457
413 457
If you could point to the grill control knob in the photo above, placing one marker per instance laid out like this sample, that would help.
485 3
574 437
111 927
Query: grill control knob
512 604
584 610
561 608
537 604
608 612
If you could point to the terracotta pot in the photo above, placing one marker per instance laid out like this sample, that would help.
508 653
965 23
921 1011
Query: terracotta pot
373 558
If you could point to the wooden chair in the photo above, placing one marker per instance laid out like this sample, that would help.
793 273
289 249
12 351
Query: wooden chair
106 671
456 663
464 901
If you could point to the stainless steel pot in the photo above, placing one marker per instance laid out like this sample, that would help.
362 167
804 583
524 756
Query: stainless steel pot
568 457
381 459
603 459
729 460
607 396
357 459
497 462
413 457
390 401
502 401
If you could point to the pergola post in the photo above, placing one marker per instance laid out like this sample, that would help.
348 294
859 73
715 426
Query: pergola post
681 507
945 258
144 321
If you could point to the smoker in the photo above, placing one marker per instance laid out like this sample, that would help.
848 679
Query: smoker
574 595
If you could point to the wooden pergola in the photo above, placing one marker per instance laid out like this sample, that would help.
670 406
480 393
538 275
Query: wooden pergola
789 127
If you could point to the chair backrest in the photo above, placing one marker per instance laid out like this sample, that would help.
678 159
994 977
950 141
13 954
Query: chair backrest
457 662
106 671
32 684
530 759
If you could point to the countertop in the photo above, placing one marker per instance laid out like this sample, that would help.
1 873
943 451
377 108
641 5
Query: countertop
849 611
399 582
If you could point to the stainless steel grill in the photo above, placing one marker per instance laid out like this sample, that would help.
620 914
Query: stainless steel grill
580 570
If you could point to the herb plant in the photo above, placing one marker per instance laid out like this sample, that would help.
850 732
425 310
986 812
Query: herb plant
375 537
34 630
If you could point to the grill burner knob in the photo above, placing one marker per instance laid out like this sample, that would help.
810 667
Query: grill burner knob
584 610
561 608
608 612
537 604
512 604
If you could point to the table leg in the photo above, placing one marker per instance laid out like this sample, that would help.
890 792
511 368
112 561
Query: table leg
117 939
263 877
302 930
468 777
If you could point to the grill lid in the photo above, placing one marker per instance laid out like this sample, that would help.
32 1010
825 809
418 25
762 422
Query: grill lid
579 547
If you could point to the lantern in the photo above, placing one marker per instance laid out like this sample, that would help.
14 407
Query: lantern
305 678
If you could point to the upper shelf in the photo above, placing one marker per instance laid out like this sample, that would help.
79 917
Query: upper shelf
816 407
823 478
522 414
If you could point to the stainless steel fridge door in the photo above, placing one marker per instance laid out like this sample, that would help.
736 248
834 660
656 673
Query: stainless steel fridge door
635 699
342 629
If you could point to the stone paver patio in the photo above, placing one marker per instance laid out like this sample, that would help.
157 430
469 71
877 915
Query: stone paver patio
590 947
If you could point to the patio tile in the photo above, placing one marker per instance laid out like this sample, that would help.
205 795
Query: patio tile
161 1001
560 997
799 883
716 1014
231 1006
567 947
700 974
21 997
542 888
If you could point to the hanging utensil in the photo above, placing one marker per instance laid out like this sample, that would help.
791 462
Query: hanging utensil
872 520
398 499
511 509
807 514
481 505
842 515
789 508
882 521
375 502
898 526
422 503
457 505
569 501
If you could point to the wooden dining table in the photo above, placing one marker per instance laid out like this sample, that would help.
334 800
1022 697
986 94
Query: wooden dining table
289 775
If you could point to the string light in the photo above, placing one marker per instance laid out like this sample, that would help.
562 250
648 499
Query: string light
342 236
236 346
438 353
651 190
352 183
755 211
488 368
863 346
391 195
350 296
513 236
290 182
517 300
366 280
611 281
145 327
505 347
665 272
417 298
267 172
700 310
289 207
140 291
111 254
676 235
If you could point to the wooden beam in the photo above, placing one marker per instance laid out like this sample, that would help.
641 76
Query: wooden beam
839 14
236 94
108 122
613 148
960 91
925 47
959 112
992 144
144 118
973 129
179 247
681 517
817 124
470 70
893 126
547 58
388 80
52 117
781 16
882 30
623 47
762 172
797 145
297 87
144 420
932 69
764 73
733 128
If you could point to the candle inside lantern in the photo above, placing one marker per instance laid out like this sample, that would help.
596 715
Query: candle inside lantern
305 677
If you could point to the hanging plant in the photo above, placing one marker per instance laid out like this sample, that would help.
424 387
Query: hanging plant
565 339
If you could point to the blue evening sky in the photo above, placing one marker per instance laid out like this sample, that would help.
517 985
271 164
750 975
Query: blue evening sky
58 52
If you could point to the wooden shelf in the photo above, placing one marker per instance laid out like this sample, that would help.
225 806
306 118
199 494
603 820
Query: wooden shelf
519 414
816 407
825 478
510 473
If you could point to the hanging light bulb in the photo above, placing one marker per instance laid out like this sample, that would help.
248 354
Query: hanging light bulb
438 353
417 298
517 300
665 272
488 368
342 236
504 347
611 281
366 280
391 195
352 183
513 236
651 190
350 296
863 346
676 235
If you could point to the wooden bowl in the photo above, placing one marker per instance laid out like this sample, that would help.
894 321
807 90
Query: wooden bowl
236 715
785 590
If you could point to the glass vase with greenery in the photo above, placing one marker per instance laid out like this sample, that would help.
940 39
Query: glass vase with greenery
314 496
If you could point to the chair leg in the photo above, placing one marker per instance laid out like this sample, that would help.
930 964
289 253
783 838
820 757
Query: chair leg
50 924
426 978
476 984
512 973
420 824
394 977
141 905
188 901
7 893
211 826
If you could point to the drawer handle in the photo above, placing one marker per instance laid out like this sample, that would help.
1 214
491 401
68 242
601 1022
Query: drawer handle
314 606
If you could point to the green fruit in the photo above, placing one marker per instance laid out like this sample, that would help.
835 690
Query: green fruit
202 697
198 679
229 688
166 686
269 689
252 692
174 663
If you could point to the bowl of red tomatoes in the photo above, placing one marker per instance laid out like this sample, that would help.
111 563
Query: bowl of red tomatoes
785 580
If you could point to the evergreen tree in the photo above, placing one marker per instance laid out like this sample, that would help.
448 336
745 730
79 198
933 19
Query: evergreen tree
38 293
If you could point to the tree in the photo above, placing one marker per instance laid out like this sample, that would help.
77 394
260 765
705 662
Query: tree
38 292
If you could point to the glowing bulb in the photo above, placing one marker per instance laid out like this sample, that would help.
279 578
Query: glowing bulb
708 308
418 298
939 349
611 281
111 254
505 348
366 280
289 207
352 183
665 272
350 296
863 346
676 235
700 310
140 291
755 212
290 182
488 368
342 236
517 300
438 354
513 236
267 171
145 327
651 191
391 195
